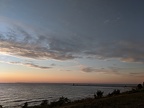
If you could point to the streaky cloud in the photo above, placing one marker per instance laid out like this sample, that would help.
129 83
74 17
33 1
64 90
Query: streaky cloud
113 70
36 66
32 65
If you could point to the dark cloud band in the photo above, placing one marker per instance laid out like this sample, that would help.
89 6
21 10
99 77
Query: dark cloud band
19 41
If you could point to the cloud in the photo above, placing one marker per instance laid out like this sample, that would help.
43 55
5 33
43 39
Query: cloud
112 20
126 51
137 74
53 64
107 21
21 40
89 69
32 51
18 41
27 64
102 70
36 66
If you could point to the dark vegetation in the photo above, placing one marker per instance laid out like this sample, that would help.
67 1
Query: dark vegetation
98 94
139 86
115 92
62 101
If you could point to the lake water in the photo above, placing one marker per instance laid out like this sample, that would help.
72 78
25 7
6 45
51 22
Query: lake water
15 95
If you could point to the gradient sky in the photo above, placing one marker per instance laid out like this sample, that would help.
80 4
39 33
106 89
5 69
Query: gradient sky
77 41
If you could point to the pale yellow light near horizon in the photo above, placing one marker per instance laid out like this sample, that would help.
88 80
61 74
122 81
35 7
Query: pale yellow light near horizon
17 73
64 77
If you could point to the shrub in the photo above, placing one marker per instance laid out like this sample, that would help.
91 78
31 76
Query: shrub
98 94
44 103
62 100
115 92
110 94
139 86
133 90
25 105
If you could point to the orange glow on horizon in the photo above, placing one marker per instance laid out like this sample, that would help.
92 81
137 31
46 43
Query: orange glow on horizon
49 78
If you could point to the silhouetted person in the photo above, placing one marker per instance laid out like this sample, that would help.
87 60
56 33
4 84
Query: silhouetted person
1 106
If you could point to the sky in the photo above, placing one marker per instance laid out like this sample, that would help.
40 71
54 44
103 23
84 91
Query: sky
72 41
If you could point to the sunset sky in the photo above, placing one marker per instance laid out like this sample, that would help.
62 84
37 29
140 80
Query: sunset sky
72 41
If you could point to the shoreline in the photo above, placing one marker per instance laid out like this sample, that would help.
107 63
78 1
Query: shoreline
128 99
69 97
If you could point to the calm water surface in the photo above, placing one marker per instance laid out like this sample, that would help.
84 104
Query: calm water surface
15 95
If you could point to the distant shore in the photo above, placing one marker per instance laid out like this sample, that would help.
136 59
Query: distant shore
105 85
80 84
